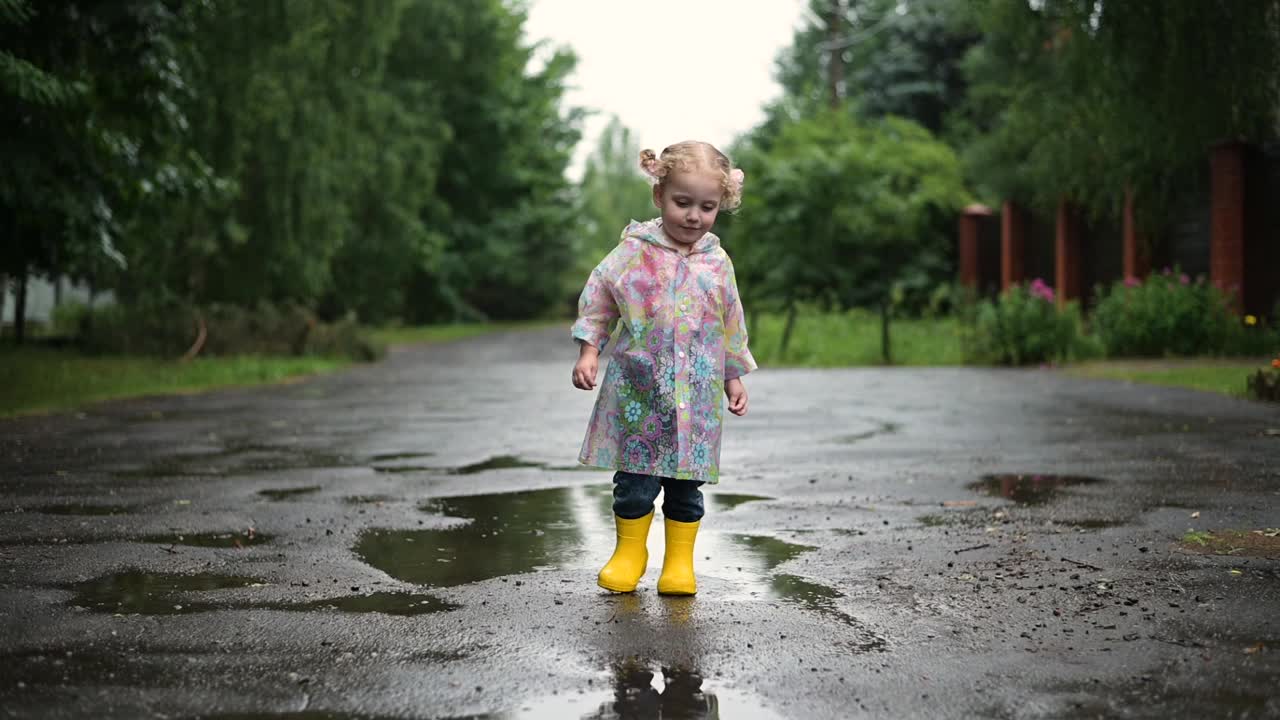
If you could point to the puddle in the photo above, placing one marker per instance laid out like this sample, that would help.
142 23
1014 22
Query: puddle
729 501
1028 489
388 457
773 551
394 469
509 533
212 540
644 690
578 468
286 493
563 528
499 462
82 509
136 591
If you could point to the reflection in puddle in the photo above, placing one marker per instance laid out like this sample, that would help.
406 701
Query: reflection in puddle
500 462
83 509
521 532
771 550
286 493
729 501
1028 489
210 540
509 533
136 591
642 691
388 457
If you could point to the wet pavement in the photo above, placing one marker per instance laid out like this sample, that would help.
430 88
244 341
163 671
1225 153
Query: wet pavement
414 539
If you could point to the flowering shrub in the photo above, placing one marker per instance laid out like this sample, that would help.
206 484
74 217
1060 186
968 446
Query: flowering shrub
1167 314
1265 384
1022 326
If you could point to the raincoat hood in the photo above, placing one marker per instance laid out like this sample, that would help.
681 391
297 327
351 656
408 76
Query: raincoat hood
651 231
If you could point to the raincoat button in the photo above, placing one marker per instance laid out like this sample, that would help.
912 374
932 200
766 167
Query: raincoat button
681 406
681 353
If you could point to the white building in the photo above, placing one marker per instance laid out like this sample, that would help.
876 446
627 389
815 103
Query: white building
40 298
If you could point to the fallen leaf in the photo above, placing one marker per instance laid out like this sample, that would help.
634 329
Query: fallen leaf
1236 572
1195 514
959 503
1253 649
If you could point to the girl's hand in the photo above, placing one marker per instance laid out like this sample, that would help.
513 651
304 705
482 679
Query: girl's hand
584 371
737 393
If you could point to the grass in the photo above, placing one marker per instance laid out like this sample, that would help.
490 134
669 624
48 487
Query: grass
1214 375
43 380
1263 542
853 339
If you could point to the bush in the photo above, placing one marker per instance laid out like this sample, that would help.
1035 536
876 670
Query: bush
171 330
1252 336
67 319
1265 384
1167 314
1023 326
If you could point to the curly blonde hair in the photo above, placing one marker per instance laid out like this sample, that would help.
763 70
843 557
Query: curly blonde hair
692 156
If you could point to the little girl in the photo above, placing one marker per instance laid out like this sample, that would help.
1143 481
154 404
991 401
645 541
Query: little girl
683 338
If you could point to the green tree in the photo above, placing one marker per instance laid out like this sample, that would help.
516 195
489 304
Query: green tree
889 57
507 211
88 113
843 211
612 192
1087 98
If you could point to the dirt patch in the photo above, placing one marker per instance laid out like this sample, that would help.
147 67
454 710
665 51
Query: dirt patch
1252 543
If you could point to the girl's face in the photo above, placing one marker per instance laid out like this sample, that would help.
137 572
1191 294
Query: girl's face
689 202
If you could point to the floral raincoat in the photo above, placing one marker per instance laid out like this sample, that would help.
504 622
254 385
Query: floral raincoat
682 335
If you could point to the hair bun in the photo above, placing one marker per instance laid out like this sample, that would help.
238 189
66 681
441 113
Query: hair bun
649 163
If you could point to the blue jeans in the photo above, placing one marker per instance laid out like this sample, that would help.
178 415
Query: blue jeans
633 497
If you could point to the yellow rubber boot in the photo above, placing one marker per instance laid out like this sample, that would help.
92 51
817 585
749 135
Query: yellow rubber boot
630 555
677 565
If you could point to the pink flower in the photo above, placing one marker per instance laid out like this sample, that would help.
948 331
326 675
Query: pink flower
1184 279
1132 282
1041 290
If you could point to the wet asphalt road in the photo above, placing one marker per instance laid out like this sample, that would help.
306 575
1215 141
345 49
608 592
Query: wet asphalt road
413 539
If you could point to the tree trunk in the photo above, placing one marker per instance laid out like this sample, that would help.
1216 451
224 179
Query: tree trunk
885 346
786 328
835 56
20 309
4 294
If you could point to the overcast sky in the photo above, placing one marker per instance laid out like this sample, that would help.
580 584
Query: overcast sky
671 70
